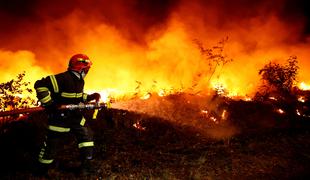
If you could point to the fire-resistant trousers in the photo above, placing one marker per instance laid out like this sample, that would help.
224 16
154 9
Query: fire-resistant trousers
58 125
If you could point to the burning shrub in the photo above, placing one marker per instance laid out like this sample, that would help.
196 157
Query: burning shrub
278 79
13 94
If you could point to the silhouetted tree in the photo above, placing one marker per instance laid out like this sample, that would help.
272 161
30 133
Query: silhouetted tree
215 57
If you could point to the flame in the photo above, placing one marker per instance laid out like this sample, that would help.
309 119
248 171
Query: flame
146 96
139 49
304 86
109 94
219 88
162 93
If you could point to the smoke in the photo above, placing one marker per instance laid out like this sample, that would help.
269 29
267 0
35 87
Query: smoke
132 19
258 31
135 19
202 112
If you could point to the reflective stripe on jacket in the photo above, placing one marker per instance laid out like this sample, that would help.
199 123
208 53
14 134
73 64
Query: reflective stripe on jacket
63 88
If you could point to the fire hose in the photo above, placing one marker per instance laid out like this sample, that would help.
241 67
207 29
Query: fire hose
89 106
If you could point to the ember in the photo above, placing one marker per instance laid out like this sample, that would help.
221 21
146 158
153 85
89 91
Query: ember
280 111
297 112
302 99
204 111
224 114
213 119
138 126
272 98
247 99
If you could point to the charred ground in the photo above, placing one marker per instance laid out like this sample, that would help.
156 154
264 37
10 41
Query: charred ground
262 145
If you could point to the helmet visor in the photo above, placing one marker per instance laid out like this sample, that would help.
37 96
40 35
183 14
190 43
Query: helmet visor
87 61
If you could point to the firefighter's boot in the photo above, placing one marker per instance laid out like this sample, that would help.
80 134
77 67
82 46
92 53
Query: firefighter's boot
88 168
41 170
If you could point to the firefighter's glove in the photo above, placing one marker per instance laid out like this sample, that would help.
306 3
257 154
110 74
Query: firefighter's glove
94 96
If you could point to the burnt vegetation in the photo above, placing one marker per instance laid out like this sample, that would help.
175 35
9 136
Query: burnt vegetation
214 57
12 93
195 137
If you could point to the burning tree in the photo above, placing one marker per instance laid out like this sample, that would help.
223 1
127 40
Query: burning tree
12 94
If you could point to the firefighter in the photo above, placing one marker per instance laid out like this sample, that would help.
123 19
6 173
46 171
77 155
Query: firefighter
61 89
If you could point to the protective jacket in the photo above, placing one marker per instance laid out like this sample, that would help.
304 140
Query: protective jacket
61 89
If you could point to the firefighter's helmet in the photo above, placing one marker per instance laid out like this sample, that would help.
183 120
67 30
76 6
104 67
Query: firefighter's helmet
79 63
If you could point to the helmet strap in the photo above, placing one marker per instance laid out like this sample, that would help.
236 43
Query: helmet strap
83 74
80 75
